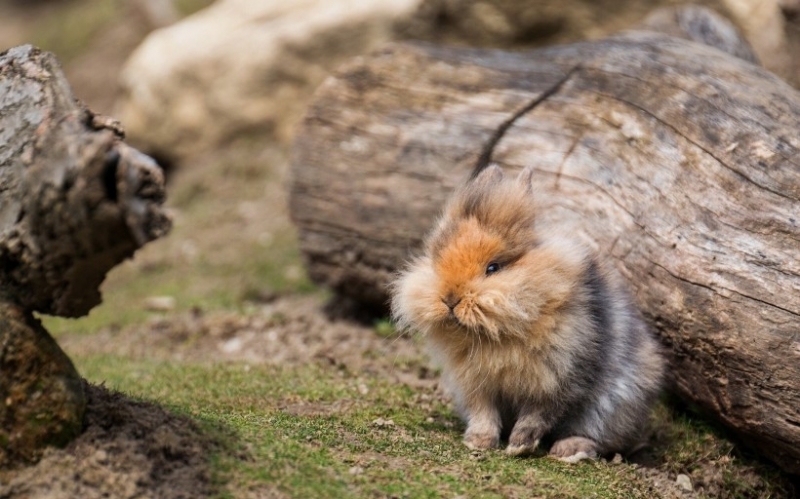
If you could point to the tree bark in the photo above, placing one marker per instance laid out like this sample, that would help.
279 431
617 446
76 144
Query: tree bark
74 199
74 202
41 395
675 160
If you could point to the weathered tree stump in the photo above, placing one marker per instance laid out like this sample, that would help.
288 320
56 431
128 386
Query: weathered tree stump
677 160
42 395
74 202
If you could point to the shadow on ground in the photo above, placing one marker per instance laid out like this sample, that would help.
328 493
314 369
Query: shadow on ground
129 449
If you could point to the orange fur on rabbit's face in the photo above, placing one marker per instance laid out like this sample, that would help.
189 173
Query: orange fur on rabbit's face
483 272
478 281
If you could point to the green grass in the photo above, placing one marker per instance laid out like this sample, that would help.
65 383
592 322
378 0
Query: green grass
69 30
384 328
187 7
202 284
310 431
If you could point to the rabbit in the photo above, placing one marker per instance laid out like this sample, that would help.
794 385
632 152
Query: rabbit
536 337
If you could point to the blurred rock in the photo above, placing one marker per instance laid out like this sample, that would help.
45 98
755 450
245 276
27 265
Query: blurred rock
243 66
160 303
768 30
767 24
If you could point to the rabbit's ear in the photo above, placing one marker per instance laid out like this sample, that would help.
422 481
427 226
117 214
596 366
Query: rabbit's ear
488 177
525 179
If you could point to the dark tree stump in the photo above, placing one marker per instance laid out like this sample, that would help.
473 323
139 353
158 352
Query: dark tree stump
74 202
41 396
675 159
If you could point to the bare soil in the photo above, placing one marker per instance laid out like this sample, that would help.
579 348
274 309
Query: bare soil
129 449
291 330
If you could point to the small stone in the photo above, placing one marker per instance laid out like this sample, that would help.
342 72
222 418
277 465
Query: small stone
356 470
233 345
684 482
617 458
160 303
363 389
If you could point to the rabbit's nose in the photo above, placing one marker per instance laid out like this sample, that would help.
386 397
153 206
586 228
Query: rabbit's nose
451 301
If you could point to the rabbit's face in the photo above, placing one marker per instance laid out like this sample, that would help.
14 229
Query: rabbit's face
475 283
483 271
478 280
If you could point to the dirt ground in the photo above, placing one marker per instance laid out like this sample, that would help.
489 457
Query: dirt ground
291 330
132 449
129 449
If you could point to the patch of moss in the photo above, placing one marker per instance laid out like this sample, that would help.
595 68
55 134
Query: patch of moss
685 442
312 431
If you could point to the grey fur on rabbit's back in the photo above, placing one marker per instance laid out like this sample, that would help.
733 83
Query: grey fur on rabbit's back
536 336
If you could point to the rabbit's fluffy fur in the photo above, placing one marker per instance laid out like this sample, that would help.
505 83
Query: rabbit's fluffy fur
535 336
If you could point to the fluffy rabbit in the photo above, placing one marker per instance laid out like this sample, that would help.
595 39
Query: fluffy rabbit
535 336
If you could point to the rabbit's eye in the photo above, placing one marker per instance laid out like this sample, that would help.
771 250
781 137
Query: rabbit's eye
492 268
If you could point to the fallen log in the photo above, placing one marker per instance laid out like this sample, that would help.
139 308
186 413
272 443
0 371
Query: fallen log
676 160
74 202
